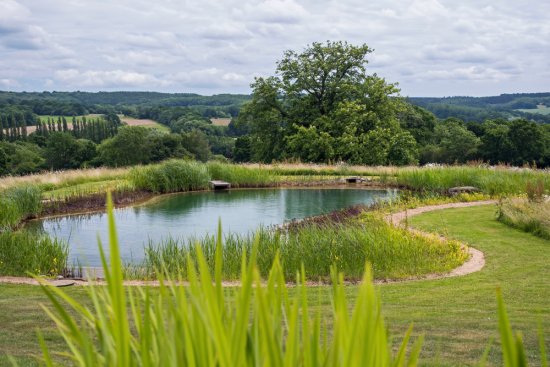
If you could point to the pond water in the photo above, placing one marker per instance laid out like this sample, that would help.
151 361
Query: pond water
196 214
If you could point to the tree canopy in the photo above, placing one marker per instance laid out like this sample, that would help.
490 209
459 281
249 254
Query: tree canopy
322 105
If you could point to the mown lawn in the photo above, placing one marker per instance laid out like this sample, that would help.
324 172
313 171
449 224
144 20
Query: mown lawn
457 316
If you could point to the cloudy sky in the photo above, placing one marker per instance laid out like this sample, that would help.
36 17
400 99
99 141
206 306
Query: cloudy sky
431 47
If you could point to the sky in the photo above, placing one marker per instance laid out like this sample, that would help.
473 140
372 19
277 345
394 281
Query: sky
430 47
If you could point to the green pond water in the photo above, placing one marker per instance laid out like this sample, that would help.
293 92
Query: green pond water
196 214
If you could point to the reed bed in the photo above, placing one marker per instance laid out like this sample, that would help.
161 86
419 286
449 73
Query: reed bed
240 176
19 203
23 253
393 252
303 169
170 176
529 216
491 180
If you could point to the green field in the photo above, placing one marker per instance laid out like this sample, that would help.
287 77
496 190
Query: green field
542 111
457 316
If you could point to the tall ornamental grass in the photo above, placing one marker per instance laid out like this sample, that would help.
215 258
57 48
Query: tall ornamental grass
240 176
203 324
24 253
491 180
529 216
394 253
19 203
170 176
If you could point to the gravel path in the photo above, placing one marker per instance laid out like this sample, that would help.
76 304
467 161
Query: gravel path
476 261
473 264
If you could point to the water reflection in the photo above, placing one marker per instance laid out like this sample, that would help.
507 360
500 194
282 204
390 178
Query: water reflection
195 214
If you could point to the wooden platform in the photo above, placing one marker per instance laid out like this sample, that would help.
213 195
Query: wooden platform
353 179
220 185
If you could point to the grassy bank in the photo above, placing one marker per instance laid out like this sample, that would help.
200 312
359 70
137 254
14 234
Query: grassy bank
533 217
490 180
393 252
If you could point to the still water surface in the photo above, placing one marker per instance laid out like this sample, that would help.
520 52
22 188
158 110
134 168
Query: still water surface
196 214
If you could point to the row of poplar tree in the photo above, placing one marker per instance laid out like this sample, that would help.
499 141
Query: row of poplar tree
13 128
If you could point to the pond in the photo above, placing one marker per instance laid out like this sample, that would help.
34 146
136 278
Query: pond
196 214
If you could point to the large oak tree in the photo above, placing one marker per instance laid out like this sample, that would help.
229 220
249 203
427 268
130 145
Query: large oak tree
322 105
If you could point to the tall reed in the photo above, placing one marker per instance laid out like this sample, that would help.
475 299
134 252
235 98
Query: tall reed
240 176
394 253
19 203
25 253
491 180
170 176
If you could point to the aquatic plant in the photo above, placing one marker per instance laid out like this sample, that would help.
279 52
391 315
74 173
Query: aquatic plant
394 253
23 253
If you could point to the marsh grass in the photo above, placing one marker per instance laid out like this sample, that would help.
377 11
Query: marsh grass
240 176
87 189
58 179
393 252
170 176
19 203
491 180
24 253
529 216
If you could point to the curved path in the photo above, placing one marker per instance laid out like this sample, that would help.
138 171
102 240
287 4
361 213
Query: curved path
473 264
476 261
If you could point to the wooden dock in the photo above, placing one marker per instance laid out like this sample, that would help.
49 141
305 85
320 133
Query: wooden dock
220 185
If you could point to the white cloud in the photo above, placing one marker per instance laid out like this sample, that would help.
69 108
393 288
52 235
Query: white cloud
108 78
431 47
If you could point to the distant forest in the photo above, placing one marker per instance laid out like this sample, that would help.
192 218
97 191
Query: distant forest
128 103
478 109
63 130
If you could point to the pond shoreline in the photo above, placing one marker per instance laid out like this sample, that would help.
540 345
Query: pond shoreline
96 203
473 264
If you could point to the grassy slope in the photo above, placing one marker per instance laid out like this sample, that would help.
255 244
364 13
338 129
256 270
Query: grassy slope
457 316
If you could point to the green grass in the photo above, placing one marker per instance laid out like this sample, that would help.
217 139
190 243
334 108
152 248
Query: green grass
44 118
87 189
492 181
458 316
393 252
542 111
